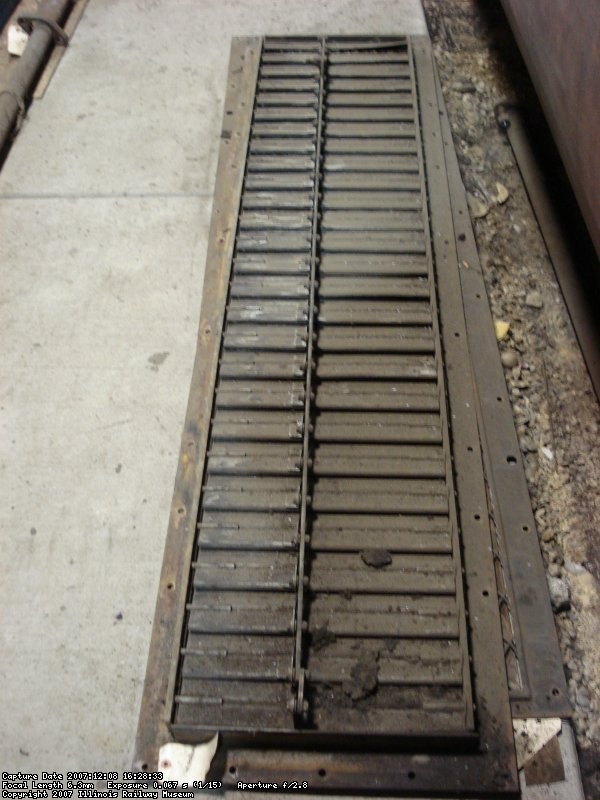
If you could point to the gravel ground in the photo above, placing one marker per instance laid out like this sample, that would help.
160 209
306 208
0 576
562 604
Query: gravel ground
556 411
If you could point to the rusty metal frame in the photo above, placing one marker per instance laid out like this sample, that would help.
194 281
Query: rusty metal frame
490 682
491 768
444 410
544 689
153 727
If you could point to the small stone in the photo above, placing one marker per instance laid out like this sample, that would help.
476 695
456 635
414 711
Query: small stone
573 567
580 722
509 358
501 193
501 328
555 570
593 731
464 87
534 300
548 535
527 445
476 155
477 207
547 453
560 596
578 553
119 616
582 697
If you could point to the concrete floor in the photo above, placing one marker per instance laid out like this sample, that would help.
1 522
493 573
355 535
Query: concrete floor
104 209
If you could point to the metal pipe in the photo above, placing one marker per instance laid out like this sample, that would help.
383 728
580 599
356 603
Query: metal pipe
15 91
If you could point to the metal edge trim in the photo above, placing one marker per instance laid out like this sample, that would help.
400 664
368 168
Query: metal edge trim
490 681
507 481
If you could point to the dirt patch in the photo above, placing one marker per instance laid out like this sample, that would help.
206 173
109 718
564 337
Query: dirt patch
556 412
321 637
376 558
363 677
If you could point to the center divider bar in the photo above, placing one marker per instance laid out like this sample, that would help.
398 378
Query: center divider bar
302 705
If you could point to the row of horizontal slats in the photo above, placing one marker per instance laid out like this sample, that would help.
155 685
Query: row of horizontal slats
379 468
237 660
386 652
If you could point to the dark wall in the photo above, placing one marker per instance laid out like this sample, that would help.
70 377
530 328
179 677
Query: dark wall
560 42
